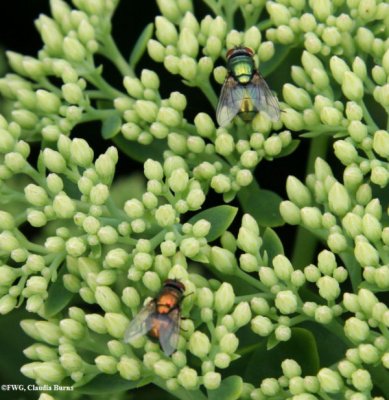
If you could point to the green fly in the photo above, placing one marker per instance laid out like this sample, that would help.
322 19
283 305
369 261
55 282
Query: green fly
244 90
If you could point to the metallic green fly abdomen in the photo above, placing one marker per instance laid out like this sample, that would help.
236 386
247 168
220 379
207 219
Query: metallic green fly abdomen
244 91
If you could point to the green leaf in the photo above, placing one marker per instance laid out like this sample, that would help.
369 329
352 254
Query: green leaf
58 296
111 126
141 45
220 218
262 204
281 52
106 384
272 342
230 389
272 244
289 149
140 152
301 347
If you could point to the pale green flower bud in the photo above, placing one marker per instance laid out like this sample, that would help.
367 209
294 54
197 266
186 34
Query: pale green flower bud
311 217
241 314
297 278
147 110
330 116
156 50
36 284
330 381
54 161
279 14
284 34
326 262
221 183
352 86
365 253
47 102
229 343
143 261
201 228
292 119
224 298
165 215
48 332
15 162
267 276
286 302
7 142
296 97
72 329
116 258
49 371
297 192
134 208
107 235
345 152
352 177
266 51
152 281
244 177
338 68
7 304
248 262
8 242
8 275
35 195
165 369
211 380
270 387
224 144
96 323
204 125
338 199
312 273
106 364
165 31
133 86
320 78
187 377
337 242
115 323
72 93
129 368
187 43
368 353
190 247
290 212
273 145
170 117
75 247
356 329
372 228
381 143
282 267
204 297
81 153
73 49
248 240
361 380
290 368
222 360
54 183
252 38
107 299
328 288
51 34
199 344
63 206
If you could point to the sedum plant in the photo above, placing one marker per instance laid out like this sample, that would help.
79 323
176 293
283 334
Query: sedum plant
82 251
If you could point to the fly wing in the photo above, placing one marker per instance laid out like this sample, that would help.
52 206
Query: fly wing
230 101
263 98
169 333
141 323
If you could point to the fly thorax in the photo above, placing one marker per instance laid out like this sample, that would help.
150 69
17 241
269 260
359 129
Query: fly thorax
242 68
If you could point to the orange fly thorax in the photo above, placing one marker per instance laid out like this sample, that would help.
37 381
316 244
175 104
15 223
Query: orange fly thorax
169 296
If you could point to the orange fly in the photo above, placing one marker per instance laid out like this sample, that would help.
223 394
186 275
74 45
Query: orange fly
160 317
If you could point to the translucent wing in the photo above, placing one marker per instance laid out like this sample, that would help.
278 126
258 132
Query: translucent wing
230 101
141 323
169 333
263 98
